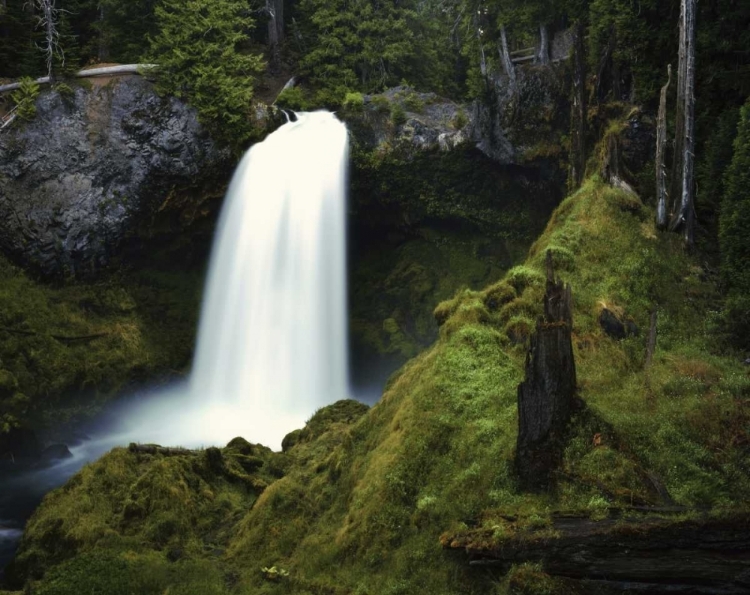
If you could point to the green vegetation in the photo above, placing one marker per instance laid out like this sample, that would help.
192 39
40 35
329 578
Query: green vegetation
198 53
354 102
293 98
63 346
24 98
734 234
365 496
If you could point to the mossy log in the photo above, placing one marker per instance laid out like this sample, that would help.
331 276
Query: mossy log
156 449
629 552
545 397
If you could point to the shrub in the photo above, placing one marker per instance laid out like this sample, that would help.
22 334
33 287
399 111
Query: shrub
521 277
460 120
381 104
25 98
398 115
294 99
413 103
354 101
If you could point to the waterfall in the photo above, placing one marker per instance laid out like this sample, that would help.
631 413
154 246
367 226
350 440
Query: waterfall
272 344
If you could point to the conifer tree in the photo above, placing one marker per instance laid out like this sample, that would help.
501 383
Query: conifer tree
734 231
199 50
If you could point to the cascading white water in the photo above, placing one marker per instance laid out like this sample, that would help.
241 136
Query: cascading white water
272 337
272 342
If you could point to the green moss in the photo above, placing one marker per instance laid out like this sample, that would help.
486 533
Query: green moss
73 346
354 102
361 503
530 579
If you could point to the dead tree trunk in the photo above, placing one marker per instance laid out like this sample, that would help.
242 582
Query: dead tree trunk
543 45
578 113
510 70
545 397
275 9
605 60
684 219
52 37
679 122
661 145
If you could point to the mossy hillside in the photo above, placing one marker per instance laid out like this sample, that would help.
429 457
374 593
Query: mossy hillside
424 226
437 450
67 348
362 506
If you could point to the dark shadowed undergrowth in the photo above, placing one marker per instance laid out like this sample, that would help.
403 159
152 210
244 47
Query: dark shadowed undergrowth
67 344
359 500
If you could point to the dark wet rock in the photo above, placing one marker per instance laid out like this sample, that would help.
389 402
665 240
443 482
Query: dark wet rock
429 122
55 452
89 172
615 327
524 124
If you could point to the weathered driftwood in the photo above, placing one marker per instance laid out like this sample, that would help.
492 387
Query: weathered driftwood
103 71
523 51
661 145
545 397
156 449
522 59
628 552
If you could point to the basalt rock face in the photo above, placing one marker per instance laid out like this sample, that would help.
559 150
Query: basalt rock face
523 122
96 169
405 121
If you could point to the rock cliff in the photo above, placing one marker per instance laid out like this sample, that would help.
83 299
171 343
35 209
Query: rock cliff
95 167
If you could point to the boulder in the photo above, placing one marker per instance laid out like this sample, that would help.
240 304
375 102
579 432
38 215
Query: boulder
55 452
615 327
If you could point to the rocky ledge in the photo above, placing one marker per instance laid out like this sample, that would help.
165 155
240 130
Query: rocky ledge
95 165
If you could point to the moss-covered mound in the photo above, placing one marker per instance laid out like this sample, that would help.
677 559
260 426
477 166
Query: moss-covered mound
364 500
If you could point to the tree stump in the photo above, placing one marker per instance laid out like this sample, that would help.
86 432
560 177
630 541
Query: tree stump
545 397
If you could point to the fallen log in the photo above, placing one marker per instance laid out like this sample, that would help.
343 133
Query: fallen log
156 449
103 71
627 552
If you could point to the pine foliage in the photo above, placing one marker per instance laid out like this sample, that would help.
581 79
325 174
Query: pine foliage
734 232
200 50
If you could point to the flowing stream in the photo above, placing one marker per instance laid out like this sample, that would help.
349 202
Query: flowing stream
272 341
